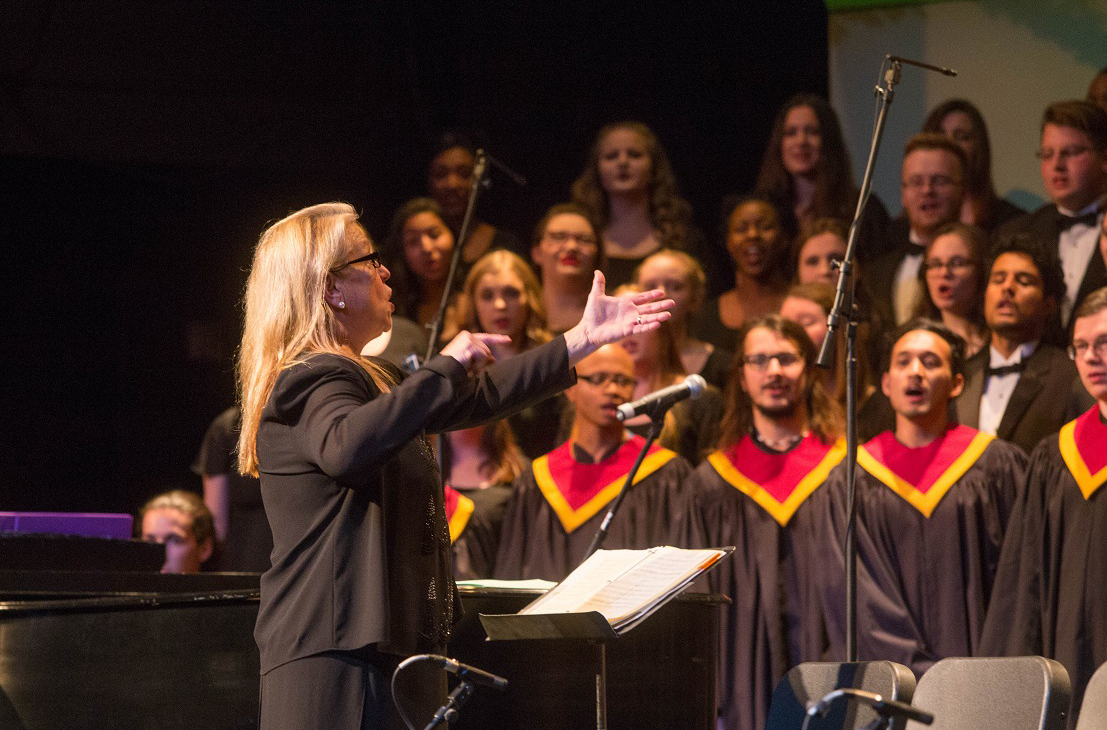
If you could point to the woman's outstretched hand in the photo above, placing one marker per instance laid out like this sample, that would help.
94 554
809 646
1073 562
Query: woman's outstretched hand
610 319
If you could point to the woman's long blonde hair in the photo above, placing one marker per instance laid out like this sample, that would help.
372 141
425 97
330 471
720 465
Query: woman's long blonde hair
287 316
534 327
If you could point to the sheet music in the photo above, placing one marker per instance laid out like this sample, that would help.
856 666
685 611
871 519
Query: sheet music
639 587
532 584
600 569
622 584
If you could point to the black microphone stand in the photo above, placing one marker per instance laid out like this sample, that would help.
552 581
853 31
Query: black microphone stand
480 166
844 312
657 421
887 711
449 711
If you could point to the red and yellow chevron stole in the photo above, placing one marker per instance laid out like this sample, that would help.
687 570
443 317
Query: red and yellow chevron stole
459 509
1083 445
922 476
576 492
778 483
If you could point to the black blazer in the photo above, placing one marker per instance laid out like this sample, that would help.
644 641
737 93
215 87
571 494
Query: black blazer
1049 394
361 546
1040 227
879 275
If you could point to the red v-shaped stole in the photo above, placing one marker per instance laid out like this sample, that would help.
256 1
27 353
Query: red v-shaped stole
576 491
1083 445
922 476
459 509
778 483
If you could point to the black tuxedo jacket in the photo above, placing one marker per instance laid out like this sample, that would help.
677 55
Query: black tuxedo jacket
1049 394
879 276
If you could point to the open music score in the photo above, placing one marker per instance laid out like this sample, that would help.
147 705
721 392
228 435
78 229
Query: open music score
626 586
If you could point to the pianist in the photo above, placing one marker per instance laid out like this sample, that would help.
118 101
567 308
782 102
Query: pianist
182 522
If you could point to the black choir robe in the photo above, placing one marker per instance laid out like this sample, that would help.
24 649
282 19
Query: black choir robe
1051 590
475 517
559 503
757 501
930 524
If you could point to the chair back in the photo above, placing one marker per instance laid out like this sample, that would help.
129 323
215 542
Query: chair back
1013 693
811 681
1093 709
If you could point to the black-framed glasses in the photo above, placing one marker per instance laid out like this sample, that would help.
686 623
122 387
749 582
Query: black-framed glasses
938 182
761 360
584 239
953 263
372 258
1065 153
601 379
1079 349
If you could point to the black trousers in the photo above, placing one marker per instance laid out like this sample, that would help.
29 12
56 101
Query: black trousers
349 691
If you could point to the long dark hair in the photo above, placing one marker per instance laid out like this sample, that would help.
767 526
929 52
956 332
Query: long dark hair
824 414
407 287
835 194
670 214
978 171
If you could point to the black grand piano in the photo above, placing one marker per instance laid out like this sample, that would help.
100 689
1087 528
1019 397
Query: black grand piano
131 648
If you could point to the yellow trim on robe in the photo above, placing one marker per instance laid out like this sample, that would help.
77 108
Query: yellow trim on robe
460 517
926 503
1087 481
572 519
780 511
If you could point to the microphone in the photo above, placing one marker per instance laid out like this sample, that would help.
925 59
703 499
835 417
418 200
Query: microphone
662 400
920 64
886 708
470 674
515 177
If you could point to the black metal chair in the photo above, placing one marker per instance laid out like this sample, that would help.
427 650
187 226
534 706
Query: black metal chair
811 681
1093 709
1013 693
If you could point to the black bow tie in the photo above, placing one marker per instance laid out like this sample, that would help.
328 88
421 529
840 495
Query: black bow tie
1003 370
1065 222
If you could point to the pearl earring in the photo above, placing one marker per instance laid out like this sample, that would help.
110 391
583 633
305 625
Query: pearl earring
342 305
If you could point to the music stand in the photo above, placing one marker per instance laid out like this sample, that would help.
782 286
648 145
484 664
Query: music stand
590 627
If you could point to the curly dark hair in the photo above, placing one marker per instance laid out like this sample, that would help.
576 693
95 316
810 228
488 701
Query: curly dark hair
1045 260
670 214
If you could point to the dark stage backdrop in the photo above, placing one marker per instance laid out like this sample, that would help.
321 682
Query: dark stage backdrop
144 146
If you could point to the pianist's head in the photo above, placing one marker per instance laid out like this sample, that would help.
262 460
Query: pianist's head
182 522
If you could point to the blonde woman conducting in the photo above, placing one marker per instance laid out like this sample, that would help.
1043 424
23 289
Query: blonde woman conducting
361 558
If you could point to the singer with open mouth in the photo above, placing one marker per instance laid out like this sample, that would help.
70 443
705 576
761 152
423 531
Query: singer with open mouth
560 502
360 574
